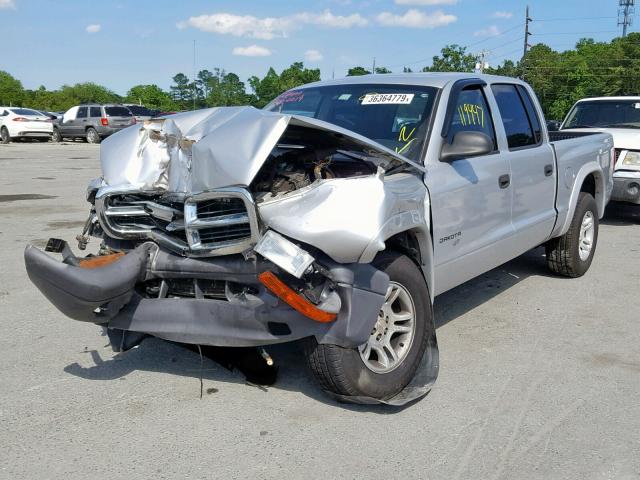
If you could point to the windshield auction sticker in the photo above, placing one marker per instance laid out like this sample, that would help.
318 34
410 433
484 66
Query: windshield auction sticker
387 98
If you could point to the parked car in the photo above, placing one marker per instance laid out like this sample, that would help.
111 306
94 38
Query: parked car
20 123
141 112
337 224
619 116
92 122
553 125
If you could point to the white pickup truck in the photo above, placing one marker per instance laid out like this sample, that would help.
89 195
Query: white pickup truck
334 215
619 116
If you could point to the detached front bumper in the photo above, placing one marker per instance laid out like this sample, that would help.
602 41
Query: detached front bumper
247 315
626 188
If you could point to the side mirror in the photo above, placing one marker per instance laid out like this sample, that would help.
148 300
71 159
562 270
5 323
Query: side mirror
466 144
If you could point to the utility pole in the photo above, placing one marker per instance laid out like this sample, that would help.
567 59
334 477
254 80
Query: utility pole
373 70
193 90
481 64
625 14
527 33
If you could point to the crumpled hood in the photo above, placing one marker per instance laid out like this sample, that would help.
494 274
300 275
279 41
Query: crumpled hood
623 138
205 149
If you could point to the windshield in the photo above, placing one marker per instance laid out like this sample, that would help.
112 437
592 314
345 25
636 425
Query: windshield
604 114
396 116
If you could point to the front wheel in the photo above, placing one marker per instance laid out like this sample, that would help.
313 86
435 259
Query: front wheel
388 361
56 136
4 135
571 254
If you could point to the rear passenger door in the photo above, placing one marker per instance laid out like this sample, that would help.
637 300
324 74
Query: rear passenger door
80 123
470 197
533 176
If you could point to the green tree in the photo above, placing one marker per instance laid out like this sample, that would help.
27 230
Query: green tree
11 91
182 91
383 70
452 58
272 85
355 71
151 96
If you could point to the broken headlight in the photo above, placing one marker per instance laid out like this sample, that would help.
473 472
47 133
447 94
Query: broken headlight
285 254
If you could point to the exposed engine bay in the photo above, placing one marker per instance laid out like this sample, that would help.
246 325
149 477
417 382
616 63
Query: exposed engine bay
304 156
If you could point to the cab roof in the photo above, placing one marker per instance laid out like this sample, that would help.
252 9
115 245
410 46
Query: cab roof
431 79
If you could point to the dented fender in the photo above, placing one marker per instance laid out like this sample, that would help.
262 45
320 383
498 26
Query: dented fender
349 219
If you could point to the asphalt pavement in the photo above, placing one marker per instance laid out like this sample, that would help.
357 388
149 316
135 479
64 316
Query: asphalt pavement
539 375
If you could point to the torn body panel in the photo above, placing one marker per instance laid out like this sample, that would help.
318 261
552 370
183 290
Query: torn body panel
208 149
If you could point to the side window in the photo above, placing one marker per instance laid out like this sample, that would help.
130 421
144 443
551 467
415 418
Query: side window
4 113
95 112
514 116
472 114
82 112
531 111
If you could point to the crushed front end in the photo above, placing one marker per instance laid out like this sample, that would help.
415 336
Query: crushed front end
216 229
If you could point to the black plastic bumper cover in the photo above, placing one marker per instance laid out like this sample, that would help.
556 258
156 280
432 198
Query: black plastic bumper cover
107 296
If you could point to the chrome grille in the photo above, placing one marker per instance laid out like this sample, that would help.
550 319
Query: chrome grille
212 223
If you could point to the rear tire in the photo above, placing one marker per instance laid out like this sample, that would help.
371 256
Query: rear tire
362 371
571 254
56 136
4 135
92 135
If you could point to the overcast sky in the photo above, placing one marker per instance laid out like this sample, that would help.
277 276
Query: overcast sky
123 43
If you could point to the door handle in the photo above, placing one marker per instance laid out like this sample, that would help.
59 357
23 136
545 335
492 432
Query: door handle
548 170
504 180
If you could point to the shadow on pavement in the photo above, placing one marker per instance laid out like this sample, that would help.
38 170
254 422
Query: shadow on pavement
155 355
621 214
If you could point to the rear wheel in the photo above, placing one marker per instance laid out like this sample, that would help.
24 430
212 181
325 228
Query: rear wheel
4 135
571 254
92 135
388 361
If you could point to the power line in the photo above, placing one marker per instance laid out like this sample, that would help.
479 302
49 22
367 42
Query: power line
569 19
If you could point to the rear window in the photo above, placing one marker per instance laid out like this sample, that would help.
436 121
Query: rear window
117 111
514 116
25 111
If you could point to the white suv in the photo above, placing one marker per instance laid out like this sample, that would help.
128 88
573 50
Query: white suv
18 122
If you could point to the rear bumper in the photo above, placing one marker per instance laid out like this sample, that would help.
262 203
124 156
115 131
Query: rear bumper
34 134
111 296
626 188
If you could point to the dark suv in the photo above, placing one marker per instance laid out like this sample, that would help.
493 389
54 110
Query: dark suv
93 122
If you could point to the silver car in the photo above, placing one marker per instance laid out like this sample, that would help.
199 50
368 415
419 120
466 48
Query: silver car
92 122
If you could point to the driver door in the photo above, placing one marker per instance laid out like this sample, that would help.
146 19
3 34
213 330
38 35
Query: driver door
470 198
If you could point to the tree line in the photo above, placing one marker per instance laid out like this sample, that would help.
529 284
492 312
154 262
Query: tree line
558 78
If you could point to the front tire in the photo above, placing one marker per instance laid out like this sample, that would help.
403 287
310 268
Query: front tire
4 135
386 364
571 254
56 136
92 135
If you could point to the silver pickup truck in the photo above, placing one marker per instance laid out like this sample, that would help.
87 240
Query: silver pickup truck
334 215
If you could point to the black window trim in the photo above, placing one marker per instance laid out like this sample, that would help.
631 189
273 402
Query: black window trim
517 87
458 87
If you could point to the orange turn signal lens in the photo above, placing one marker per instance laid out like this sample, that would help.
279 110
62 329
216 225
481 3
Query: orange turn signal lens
100 261
293 299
